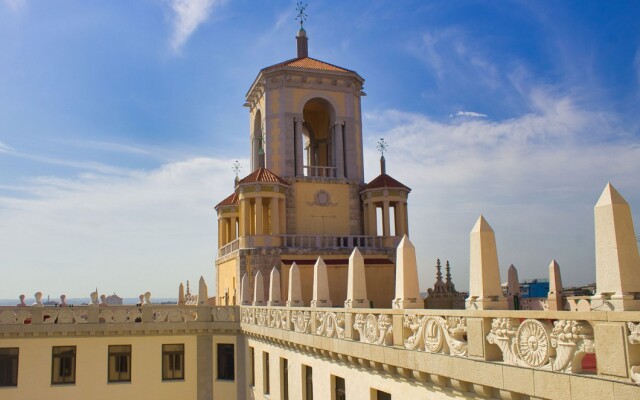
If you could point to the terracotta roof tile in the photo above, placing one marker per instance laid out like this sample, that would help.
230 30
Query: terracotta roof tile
309 63
233 199
263 175
384 181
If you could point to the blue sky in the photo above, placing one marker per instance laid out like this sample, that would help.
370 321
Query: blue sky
119 122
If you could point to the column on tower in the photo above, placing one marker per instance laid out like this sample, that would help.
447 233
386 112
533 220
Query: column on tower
259 228
386 231
299 144
400 218
274 216
339 150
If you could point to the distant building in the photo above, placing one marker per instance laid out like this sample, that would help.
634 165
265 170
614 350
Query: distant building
113 300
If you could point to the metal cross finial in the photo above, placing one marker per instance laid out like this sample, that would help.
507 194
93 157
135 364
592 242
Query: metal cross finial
236 167
301 15
382 146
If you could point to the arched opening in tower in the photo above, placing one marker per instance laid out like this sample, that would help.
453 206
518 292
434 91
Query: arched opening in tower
318 138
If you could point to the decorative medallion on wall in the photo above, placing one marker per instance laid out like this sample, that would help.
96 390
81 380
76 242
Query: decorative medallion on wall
322 199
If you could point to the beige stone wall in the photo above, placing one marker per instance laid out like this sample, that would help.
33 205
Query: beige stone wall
34 378
313 219
228 280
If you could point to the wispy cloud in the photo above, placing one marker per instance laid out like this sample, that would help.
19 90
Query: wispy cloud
101 229
188 15
5 148
15 5
536 177
468 114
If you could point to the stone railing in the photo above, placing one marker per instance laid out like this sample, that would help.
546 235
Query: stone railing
577 343
334 242
150 313
318 171
229 248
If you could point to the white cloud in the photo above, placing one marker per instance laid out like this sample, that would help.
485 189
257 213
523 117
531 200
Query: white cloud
147 230
15 5
535 178
5 148
188 15
469 114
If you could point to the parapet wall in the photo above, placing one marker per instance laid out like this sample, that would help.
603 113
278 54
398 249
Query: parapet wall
494 354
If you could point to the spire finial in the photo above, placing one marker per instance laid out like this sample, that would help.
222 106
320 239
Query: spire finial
236 167
300 8
302 40
448 268
382 147
438 271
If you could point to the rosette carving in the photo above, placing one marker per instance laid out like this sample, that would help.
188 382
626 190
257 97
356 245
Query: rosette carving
374 329
536 344
330 324
532 343
436 334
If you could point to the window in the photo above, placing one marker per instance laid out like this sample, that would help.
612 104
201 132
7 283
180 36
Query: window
172 362
307 373
338 388
226 363
9 366
380 395
265 364
63 365
119 363
252 378
284 373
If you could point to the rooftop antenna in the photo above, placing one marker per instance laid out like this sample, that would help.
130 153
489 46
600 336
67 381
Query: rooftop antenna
382 147
236 169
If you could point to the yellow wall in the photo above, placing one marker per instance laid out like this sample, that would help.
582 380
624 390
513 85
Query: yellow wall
226 274
309 219
225 389
34 369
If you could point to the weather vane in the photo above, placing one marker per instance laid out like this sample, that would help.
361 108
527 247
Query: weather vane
236 167
382 146
301 15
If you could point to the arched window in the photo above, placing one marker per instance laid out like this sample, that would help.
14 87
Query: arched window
318 141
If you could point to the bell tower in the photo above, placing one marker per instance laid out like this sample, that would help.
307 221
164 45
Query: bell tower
305 195
305 115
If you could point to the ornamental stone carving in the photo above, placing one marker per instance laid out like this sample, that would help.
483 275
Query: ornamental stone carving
278 319
436 334
533 343
634 332
537 344
261 316
174 315
15 316
330 324
64 316
301 321
224 314
374 329
120 315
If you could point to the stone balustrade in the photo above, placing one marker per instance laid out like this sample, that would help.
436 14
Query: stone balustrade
151 313
595 345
